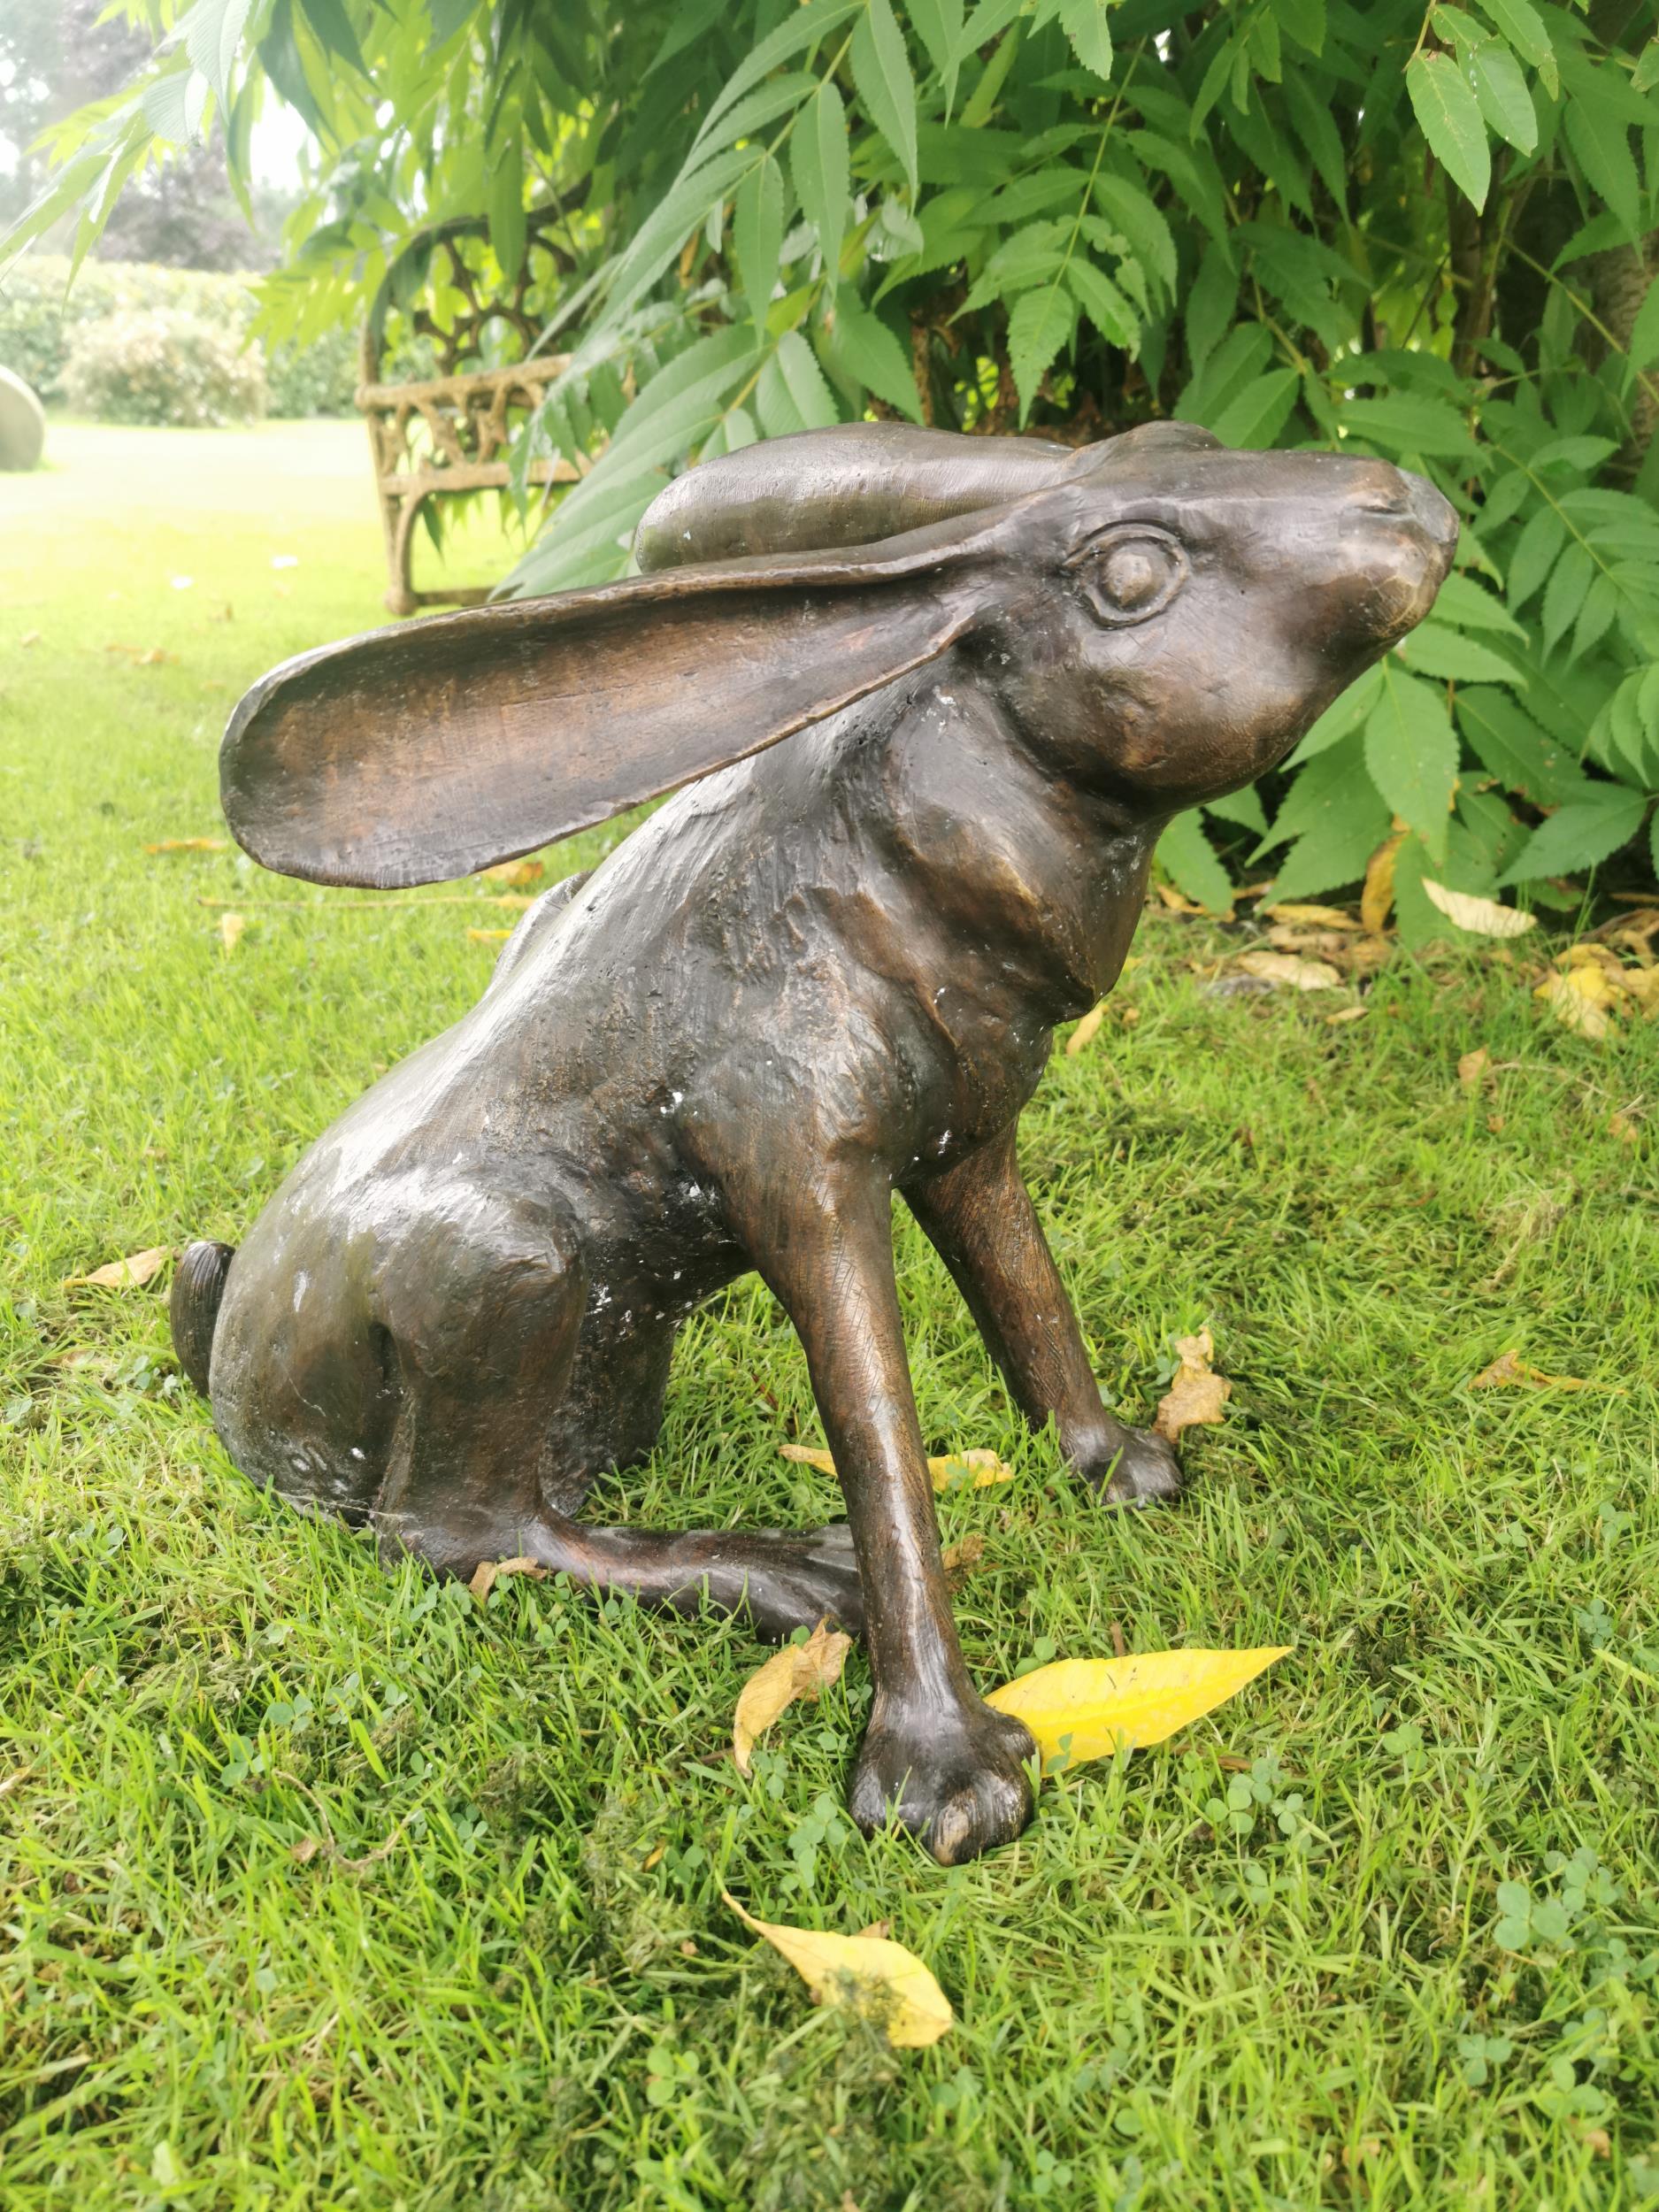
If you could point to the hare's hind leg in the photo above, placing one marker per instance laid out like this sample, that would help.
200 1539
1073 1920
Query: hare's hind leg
484 1300
979 1217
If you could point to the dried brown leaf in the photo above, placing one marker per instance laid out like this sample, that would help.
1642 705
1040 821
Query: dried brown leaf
1471 1068
1377 897
1286 972
1086 1030
488 1572
131 1273
1314 917
948 1471
799 1671
1510 1370
1197 1396
961 1560
187 845
1480 918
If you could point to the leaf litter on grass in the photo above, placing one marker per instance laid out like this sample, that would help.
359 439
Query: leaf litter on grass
799 1671
131 1273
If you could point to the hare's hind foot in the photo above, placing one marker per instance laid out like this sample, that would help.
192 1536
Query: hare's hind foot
777 1583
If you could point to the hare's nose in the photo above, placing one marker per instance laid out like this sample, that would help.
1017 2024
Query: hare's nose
1434 515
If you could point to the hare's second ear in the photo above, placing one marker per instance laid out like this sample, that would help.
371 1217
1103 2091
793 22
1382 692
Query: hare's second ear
429 751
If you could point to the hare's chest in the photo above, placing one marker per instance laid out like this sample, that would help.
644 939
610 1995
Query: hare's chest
984 1060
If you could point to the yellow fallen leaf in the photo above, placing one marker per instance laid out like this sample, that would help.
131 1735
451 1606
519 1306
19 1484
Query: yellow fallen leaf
230 929
867 1972
948 1473
1509 1367
1197 1395
1286 972
489 936
131 1273
1481 918
1379 895
515 872
1086 1030
798 1670
1088 1709
1329 944
1471 1068
1317 916
187 845
1344 1014
1579 998
488 1572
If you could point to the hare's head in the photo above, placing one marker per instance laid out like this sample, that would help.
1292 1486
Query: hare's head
1191 610
1160 618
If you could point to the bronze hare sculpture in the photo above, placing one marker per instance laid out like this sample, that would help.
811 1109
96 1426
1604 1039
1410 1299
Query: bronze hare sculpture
825 973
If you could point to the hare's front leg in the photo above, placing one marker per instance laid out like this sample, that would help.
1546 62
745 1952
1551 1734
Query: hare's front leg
979 1217
935 1757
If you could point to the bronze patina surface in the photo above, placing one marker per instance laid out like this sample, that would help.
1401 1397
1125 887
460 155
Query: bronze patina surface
826 971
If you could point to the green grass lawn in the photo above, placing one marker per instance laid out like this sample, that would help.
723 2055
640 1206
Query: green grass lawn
326 1887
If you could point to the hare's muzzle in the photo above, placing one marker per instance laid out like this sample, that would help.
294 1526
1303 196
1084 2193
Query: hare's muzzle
1399 536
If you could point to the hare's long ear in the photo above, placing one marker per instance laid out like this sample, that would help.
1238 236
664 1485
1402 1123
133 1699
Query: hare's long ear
429 751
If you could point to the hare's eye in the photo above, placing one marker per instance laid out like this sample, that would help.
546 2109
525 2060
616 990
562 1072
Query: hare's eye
1132 574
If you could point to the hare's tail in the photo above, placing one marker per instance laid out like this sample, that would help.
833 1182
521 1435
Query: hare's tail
198 1285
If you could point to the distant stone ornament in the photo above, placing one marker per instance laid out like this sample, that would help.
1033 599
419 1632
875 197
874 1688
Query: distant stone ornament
22 424
932 699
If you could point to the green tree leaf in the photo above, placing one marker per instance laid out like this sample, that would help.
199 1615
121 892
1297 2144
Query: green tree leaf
1434 649
1504 99
1521 25
864 348
1104 304
1444 104
1602 144
821 166
507 228
938 27
1644 336
211 33
1579 835
1411 755
1509 743
1260 412
1406 423
1086 27
334 34
1190 859
1038 327
757 236
1211 304
1302 20
882 71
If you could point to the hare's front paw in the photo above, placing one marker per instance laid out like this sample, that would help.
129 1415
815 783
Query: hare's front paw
1136 1467
956 1778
